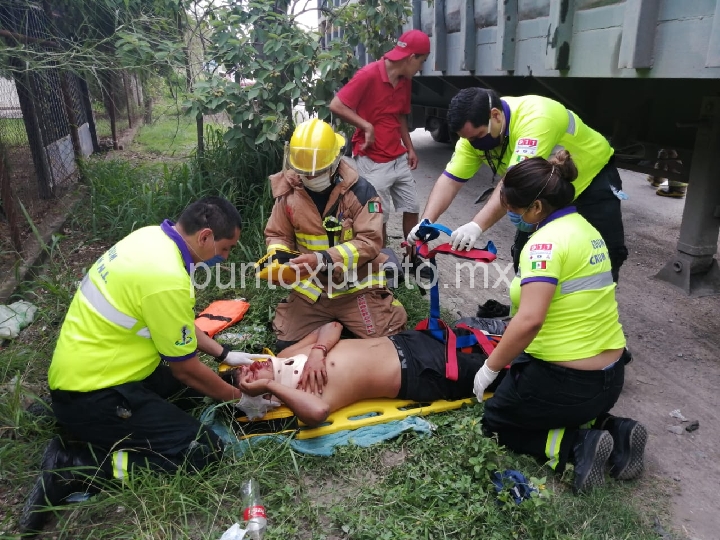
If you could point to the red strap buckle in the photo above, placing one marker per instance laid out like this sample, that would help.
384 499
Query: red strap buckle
451 366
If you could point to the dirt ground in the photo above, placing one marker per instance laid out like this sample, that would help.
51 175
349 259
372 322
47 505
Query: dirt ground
674 338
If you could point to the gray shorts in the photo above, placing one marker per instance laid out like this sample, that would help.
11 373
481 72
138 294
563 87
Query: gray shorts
394 183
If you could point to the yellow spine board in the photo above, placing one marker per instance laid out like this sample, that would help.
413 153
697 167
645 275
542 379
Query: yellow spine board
353 416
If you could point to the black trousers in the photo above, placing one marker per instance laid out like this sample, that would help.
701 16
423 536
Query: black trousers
422 368
599 205
537 397
138 417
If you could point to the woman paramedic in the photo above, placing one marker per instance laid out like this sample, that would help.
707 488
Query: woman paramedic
565 343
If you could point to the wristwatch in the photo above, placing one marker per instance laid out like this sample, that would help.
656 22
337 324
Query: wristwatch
223 355
323 258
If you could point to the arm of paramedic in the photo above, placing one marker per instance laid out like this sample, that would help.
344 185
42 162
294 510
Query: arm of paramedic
407 141
442 194
310 409
463 165
314 375
279 231
346 113
493 210
367 238
207 344
193 373
170 320
535 298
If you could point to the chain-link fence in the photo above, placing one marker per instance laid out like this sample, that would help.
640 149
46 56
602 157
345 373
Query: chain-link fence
50 117
117 103
36 139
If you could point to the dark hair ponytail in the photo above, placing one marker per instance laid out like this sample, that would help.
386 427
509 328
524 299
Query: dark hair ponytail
565 165
536 178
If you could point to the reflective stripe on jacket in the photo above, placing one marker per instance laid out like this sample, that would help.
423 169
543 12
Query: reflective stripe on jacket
295 223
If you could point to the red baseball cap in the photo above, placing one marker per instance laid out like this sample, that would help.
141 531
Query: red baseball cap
411 42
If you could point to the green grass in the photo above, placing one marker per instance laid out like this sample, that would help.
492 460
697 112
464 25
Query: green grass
173 136
12 132
102 126
412 487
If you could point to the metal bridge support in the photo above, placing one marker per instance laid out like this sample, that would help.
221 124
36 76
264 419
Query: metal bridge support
694 268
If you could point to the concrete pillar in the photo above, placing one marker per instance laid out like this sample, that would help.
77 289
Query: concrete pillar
694 267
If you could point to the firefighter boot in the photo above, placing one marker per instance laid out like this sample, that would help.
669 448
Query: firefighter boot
65 470
591 451
655 181
627 460
676 191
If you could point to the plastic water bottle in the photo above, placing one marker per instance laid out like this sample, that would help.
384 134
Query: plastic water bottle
253 510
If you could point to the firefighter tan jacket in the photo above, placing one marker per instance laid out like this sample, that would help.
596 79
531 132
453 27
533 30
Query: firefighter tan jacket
354 249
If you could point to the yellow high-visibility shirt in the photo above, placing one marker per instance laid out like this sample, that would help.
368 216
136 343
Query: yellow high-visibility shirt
582 319
134 307
539 126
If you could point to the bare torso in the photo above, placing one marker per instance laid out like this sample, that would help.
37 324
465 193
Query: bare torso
360 369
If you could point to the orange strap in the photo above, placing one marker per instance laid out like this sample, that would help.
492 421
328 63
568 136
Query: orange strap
221 314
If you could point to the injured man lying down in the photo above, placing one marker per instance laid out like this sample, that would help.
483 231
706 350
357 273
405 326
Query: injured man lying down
321 373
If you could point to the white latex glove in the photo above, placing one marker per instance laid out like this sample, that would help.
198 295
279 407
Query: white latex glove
255 407
239 358
483 378
465 236
412 236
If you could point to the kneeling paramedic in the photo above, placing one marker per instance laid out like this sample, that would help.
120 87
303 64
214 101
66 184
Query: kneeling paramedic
129 343
565 340
333 217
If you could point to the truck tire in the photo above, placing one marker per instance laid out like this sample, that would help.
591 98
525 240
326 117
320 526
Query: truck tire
438 129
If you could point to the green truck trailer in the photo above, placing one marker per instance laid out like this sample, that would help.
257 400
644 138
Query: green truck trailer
646 73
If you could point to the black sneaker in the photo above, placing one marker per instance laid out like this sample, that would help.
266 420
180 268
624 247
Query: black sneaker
491 309
55 483
421 269
590 454
627 460
50 488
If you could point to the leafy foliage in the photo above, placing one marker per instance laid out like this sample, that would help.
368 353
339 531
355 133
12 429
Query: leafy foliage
86 32
276 65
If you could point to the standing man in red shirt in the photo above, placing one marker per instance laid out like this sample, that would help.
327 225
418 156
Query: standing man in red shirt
377 102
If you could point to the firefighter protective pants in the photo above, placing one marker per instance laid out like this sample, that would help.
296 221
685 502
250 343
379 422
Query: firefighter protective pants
369 313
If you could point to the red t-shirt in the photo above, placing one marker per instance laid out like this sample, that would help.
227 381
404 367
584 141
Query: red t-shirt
370 94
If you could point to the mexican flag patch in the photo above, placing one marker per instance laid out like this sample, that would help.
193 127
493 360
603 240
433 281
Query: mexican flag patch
374 207
538 265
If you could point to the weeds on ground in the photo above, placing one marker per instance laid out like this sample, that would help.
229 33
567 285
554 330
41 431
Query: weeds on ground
12 132
412 487
168 136
125 196
172 134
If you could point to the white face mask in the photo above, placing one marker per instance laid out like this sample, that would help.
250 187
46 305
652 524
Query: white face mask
319 183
